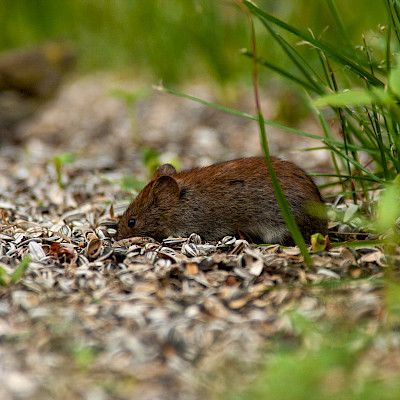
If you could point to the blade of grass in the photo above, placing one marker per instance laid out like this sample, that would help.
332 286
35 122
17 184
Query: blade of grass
348 111
327 132
374 121
333 145
388 43
346 137
20 270
393 19
4 277
368 151
283 73
336 194
342 155
346 177
324 64
238 113
305 69
283 203
338 21
356 164
390 122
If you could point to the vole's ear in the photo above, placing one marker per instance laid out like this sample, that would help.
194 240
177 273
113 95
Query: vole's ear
165 187
165 169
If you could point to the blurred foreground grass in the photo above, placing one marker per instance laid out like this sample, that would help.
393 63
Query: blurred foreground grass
335 358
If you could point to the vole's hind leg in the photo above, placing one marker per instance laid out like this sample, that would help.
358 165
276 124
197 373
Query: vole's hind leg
244 236
251 237
276 234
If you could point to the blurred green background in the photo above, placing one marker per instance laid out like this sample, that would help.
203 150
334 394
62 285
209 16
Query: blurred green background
171 40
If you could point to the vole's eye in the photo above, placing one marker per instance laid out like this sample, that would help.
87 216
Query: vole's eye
131 222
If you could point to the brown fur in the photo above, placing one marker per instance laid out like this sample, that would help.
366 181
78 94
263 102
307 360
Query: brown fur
229 198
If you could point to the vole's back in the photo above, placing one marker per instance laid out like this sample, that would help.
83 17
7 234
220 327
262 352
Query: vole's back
236 197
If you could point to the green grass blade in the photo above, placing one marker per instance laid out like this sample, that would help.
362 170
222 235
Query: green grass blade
339 22
393 19
300 63
20 270
343 156
298 132
388 47
280 197
283 203
237 113
345 177
4 277
284 73
360 243
379 141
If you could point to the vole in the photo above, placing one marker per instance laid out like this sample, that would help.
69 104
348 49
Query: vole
229 198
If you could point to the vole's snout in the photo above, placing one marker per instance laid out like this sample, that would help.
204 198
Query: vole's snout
124 226
119 230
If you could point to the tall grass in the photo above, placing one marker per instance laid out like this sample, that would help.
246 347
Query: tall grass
368 116
332 361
